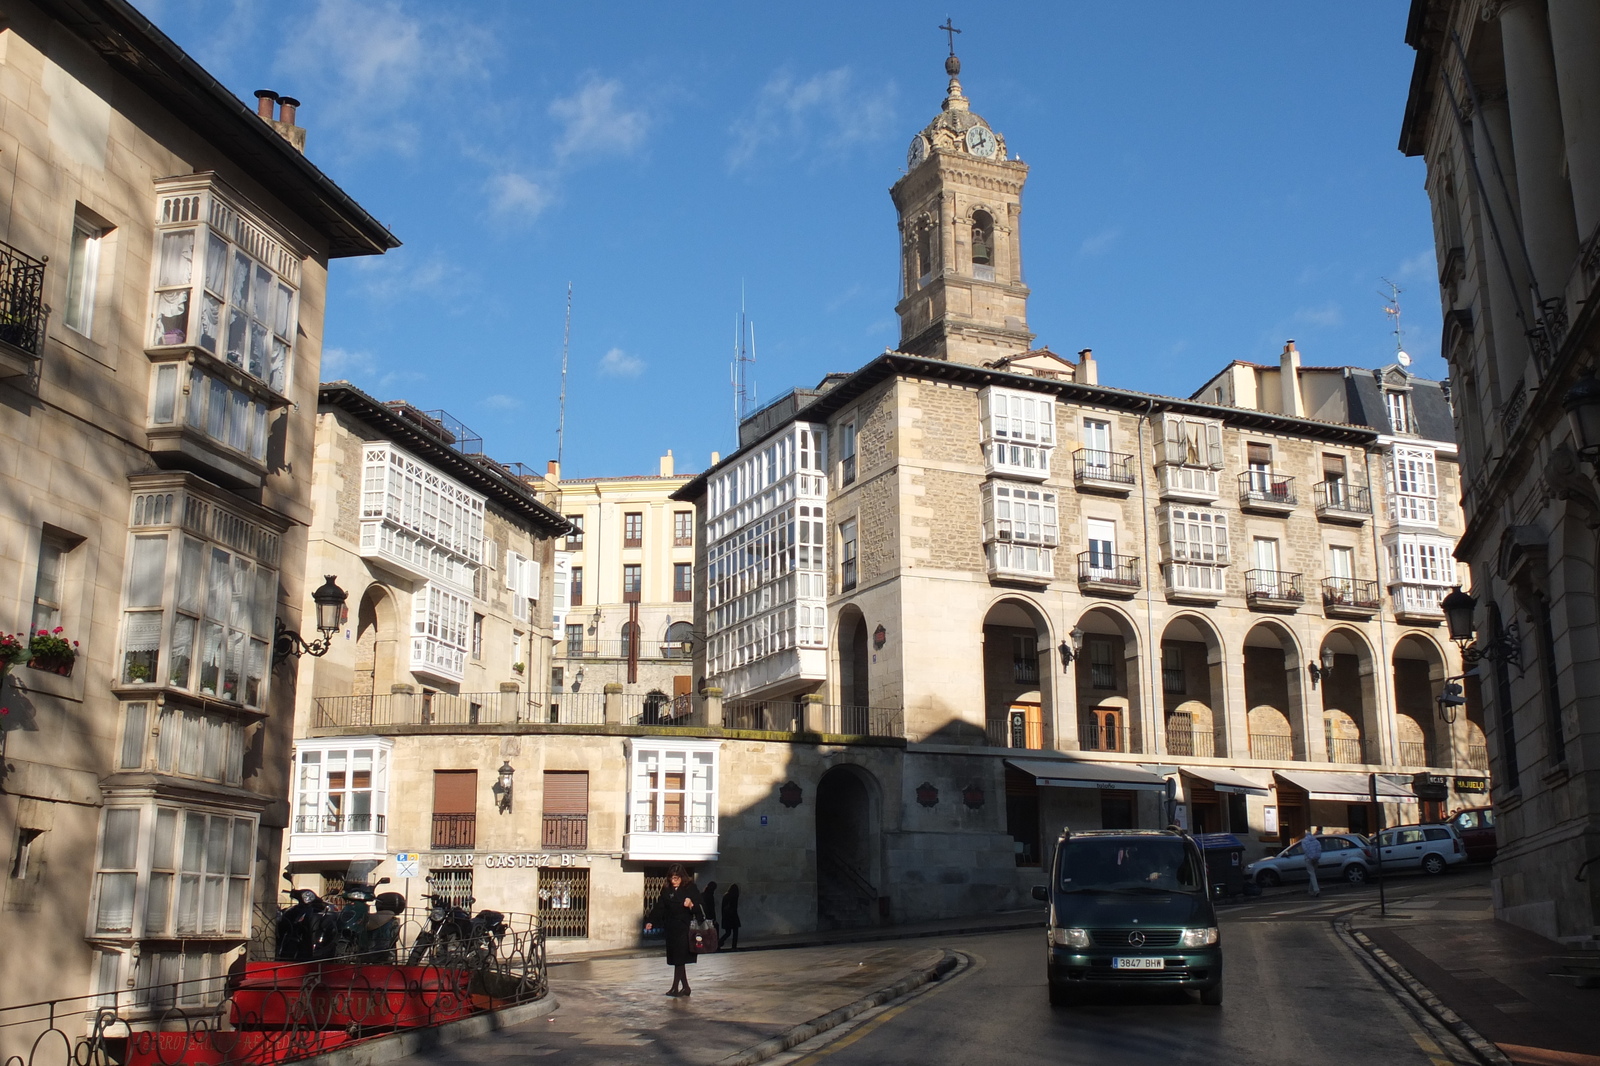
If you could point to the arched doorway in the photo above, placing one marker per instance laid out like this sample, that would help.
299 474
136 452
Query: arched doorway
1107 667
1419 673
854 658
1192 685
1016 675
847 848
1273 693
1346 676
375 643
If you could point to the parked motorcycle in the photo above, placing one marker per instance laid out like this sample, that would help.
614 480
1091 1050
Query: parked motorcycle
367 923
455 937
306 930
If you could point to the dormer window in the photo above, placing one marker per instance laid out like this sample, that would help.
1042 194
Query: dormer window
1401 417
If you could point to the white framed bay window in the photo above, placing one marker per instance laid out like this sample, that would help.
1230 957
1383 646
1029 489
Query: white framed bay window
166 871
1020 529
200 596
1414 486
441 621
1018 432
672 799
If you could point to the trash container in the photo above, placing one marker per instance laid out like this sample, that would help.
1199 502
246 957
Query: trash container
1224 862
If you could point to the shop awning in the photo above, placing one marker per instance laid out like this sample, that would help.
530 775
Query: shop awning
1068 773
1351 788
1228 780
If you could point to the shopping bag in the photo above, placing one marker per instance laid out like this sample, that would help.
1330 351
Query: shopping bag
702 936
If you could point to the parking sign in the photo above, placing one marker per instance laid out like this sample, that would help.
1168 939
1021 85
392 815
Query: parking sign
406 864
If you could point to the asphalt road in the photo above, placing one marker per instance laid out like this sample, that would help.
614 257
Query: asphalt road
1295 994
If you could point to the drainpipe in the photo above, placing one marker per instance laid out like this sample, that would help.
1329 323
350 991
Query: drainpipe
1382 668
1152 652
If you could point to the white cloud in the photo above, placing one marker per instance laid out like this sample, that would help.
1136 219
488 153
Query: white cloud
1327 315
342 364
501 402
596 122
1096 243
517 197
396 275
828 110
1422 265
619 364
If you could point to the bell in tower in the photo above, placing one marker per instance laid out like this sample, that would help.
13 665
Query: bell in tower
960 205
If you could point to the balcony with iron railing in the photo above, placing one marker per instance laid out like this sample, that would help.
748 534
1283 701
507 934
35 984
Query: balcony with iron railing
1477 757
1200 743
1098 471
1346 750
1339 501
339 823
568 832
1273 590
1107 574
455 832
1025 669
671 836
1418 604
1414 753
1260 490
1095 736
22 311
1350 597
618 649
334 837
1278 747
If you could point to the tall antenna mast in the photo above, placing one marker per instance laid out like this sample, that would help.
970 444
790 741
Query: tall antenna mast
744 357
566 343
1391 307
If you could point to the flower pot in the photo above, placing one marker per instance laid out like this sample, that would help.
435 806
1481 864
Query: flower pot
52 666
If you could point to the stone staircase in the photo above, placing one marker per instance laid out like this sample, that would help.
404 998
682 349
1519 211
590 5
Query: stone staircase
845 898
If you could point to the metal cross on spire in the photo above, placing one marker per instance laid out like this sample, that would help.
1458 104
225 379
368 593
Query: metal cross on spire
950 32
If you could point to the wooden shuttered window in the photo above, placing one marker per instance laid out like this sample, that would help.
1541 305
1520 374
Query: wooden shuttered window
1191 442
455 792
566 792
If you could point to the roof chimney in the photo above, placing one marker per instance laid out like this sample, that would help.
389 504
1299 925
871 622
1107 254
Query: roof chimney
666 464
283 121
552 471
265 98
1289 380
1088 370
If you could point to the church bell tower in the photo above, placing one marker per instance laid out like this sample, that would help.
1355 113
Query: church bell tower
960 205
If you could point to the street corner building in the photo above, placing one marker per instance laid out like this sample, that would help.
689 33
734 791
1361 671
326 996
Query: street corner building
163 276
1504 107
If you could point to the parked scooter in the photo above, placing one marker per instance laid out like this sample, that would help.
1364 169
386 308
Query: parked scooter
306 931
366 923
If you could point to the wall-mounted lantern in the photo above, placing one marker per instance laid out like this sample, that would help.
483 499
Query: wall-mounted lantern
502 787
329 601
1070 651
1319 673
1459 608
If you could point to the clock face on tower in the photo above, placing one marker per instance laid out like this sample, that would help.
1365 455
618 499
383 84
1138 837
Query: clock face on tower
981 142
917 152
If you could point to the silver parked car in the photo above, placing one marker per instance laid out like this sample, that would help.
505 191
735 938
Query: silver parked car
1430 848
1347 855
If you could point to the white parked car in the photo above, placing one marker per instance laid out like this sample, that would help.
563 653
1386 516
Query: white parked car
1430 848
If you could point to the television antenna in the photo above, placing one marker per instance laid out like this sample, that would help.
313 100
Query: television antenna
744 358
566 344
1391 307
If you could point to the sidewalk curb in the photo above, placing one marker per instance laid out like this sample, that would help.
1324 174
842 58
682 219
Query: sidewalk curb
400 1045
868 936
799 1034
1485 1051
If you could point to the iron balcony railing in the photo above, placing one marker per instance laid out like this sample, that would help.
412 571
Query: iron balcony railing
1277 586
569 832
1025 670
1340 496
381 710
1350 592
1477 757
674 823
1258 486
1347 750
1418 600
1092 736
1271 746
22 309
1015 731
618 649
1106 569
1113 468
1414 753
339 823
455 831
1196 742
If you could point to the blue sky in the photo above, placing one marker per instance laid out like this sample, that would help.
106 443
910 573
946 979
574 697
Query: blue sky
1207 180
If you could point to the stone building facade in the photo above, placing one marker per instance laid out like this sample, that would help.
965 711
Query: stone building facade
1505 109
159 379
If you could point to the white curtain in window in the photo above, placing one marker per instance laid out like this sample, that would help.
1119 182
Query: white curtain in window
118 881
147 571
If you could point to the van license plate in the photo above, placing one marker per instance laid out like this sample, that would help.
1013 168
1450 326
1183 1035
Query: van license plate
1141 963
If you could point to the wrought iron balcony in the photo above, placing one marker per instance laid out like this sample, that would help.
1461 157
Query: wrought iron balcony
1350 597
1339 501
1263 491
674 823
1347 750
1418 603
569 832
1092 736
453 831
1197 742
1414 753
1276 746
22 310
1115 575
339 823
1477 757
1103 471
1273 590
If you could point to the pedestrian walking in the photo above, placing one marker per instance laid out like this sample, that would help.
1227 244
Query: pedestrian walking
730 918
675 908
1311 847
708 899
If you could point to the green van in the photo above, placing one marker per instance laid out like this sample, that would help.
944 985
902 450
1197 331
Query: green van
1131 908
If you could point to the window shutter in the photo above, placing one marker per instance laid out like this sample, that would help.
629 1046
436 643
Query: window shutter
530 578
1172 438
1221 535
491 553
1214 445
985 415
455 792
1047 422
1052 532
566 792
988 512
511 569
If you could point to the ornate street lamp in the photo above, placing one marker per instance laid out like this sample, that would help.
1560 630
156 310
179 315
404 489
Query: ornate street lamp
1319 673
1582 402
1458 610
502 787
329 601
1069 652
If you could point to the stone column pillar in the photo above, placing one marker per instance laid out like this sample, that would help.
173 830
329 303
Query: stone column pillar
813 714
1235 708
611 701
1538 144
1575 37
713 706
1507 279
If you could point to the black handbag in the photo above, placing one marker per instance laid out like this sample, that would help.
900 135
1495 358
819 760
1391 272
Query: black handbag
703 938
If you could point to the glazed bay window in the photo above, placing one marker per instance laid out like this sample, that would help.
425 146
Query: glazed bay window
1018 432
200 599
440 619
417 520
223 285
185 396
1020 528
183 742
672 800
341 789
1414 486
168 872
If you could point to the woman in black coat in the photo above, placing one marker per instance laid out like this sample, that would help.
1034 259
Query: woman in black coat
678 905
730 918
